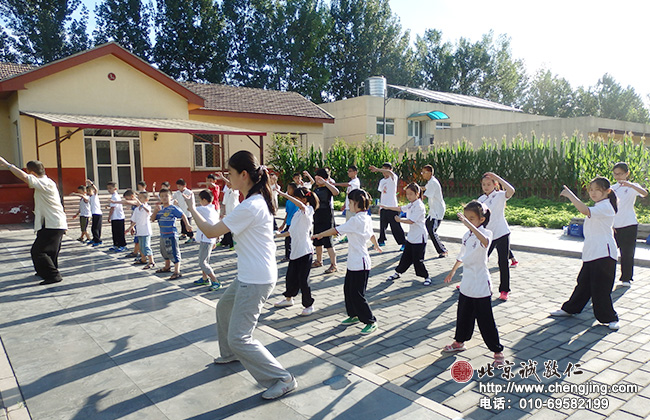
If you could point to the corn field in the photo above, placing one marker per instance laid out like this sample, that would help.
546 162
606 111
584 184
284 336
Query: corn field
536 168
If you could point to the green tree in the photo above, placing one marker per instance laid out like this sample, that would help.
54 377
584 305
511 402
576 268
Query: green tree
7 49
619 103
435 62
189 40
506 80
44 31
549 95
127 22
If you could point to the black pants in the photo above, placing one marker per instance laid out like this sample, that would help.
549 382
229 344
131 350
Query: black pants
287 247
479 310
227 240
184 230
502 246
298 279
595 281
413 254
96 228
432 227
387 217
117 228
45 253
354 290
626 241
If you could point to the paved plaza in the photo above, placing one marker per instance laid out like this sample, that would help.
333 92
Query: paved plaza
113 341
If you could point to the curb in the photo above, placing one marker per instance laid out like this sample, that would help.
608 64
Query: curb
11 398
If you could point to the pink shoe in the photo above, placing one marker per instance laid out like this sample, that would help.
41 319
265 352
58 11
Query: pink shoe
503 296
514 264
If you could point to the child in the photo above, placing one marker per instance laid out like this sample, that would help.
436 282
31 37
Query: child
388 189
211 216
96 211
474 299
416 242
141 221
625 224
239 307
302 249
128 198
83 213
495 200
599 255
323 219
437 208
186 229
359 230
352 185
297 179
116 217
140 187
290 209
212 186
230 201
166 214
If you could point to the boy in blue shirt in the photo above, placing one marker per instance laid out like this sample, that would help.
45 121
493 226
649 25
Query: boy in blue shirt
169 249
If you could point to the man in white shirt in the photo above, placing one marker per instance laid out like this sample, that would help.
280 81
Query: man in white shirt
437 208
49 219
388 189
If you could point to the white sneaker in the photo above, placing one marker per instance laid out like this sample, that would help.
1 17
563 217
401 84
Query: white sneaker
223 360
307 311
613 325
626 284
284 303
560 312
280 388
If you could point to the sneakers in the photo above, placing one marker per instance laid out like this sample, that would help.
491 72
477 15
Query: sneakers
393 277
382 243
514 264
307 311
112 249
344 240
350 321
96 244
613 325
215 286
223 360
427 282
280 388
626 284
560 313
369 329
284 303
203 282
121 249
189 241
182 237
503 296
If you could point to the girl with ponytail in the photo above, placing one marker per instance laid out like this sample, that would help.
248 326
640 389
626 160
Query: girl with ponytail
599 255
238 310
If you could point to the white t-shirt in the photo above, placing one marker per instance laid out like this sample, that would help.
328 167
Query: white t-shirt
84 207
178 196
251 224
599 235
358 230
496 202
118 210
476 276
211 216
417 213
141 216
230 198
433 192
300 231
95 206
388 189
48 210
354 184
625 216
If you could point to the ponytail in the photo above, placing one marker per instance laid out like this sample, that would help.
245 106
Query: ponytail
613 199
312 199
480 209
259 175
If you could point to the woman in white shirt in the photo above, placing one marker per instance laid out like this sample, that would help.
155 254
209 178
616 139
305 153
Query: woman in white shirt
302 249
495 200
238 310
416 241
599 254
626 226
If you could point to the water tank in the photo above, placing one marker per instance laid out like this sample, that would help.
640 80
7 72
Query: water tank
375 86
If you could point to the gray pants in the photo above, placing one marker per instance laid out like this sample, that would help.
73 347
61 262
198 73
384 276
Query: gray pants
237 313
205 250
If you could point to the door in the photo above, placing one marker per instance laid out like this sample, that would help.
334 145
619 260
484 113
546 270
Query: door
113 159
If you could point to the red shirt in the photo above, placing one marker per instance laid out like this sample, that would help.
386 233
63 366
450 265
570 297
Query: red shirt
215 190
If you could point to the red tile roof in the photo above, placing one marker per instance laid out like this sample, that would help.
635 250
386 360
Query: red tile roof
8 70
244 100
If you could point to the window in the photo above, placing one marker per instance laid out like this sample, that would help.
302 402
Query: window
442 126
390 126
300 139
414 128
206 154
468 125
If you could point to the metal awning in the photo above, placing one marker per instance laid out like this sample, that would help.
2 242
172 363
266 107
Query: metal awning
432 115
161 125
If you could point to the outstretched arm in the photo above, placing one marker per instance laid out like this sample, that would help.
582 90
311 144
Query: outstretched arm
293 199
208 229
580 206
18 173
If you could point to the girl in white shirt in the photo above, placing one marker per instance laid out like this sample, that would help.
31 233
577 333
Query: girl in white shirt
474 299
599 255
625 224
359 231
302 249
238 310
495 200
416 241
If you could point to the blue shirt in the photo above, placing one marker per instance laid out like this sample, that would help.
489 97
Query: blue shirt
167 220
291 209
